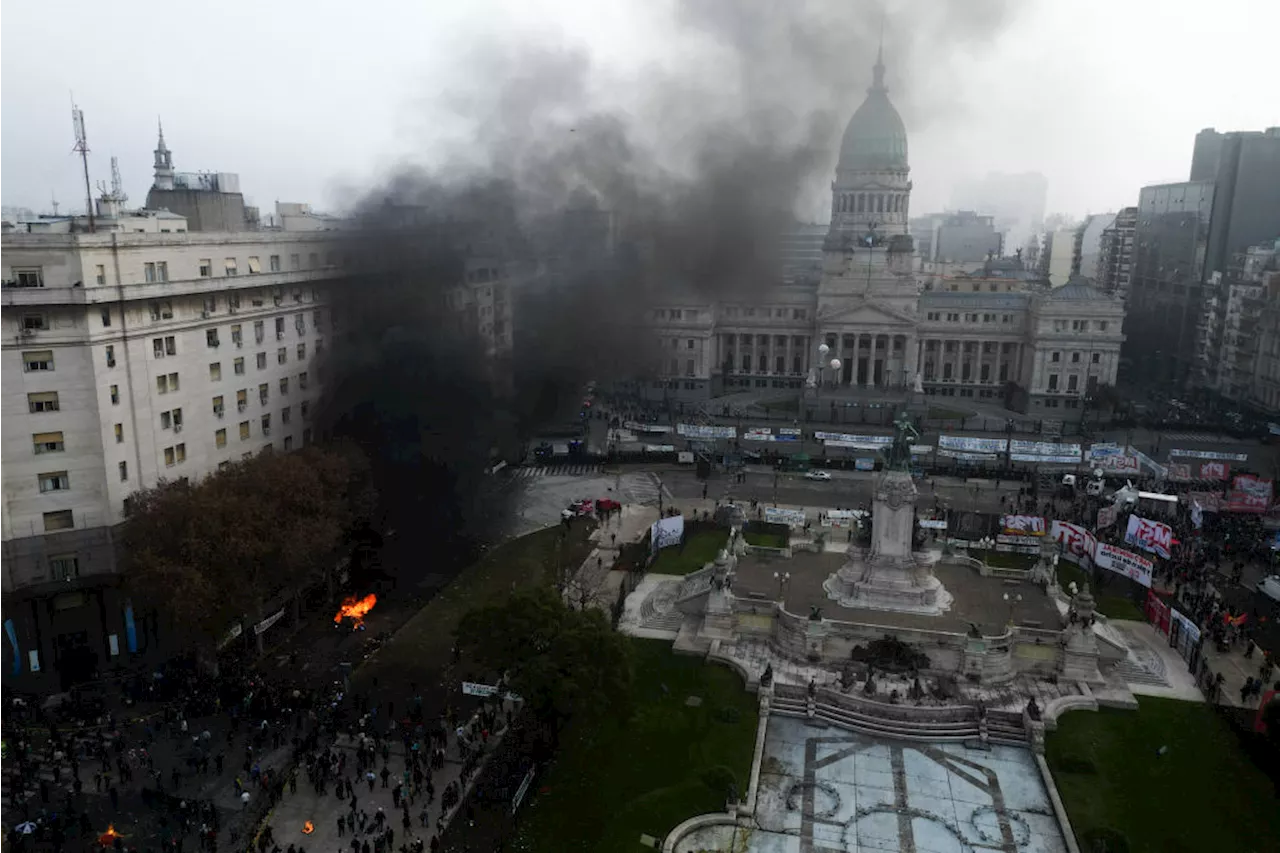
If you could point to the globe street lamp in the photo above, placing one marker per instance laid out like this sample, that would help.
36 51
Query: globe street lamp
783 578
1012 602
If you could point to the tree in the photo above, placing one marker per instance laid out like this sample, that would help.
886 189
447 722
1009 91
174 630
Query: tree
560 660
210 553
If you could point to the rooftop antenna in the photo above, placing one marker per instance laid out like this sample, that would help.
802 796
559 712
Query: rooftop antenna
82 148
117 185
53 199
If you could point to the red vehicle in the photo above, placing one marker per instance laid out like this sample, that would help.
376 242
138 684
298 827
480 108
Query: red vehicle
604 505
582 507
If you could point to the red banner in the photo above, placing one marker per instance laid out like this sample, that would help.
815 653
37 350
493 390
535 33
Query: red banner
1214 470
1249 494
1023 525
1158 613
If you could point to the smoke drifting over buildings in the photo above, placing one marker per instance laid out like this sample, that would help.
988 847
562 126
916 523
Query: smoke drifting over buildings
598 195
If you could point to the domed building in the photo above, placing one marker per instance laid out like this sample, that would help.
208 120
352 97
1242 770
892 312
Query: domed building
872 189
892 335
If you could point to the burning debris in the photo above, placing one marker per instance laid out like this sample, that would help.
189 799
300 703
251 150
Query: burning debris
308 828
108 838
355 609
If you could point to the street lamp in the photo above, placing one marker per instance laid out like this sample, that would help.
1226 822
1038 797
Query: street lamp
783 578
1012 602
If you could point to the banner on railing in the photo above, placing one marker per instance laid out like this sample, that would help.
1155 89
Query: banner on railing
636 426
1123 562
1149 535
1043 451
850 440
968 457
666 532
1209 454
778 515
1075 540
933 523
1209 501
703 431
1014 539
1179 471
973 445
1214 470
1249 494
1023 525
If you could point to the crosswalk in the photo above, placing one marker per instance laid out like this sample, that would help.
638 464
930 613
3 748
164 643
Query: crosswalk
643 488
568 469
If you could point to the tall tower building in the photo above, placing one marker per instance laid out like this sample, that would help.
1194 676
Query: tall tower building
872 189
164 164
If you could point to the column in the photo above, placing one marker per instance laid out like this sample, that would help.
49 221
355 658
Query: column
871 362
910 363
995 368
852 359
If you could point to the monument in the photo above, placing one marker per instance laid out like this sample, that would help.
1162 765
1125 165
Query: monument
888 574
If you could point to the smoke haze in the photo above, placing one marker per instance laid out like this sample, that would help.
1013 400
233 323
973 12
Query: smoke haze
602 193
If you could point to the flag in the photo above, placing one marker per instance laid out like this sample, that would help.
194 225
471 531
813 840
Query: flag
1197 514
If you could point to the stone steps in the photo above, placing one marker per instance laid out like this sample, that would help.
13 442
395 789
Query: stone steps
962 731
1131 672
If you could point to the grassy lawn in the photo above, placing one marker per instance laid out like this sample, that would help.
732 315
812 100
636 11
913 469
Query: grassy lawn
1112 602
1202 794
615 779
424 645
697 550
764 540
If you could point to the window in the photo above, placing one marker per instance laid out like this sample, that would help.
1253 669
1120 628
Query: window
305 409
255 265
170 458
44 401
302 381
244 430
302 352
28 277
279 328
266 424
220 438
319 347
115 395
124 471
47 442
284 384
37 360
295 261
1096 358
217 406
60 520
242 399
54 481
162 384
1073 383
306 437
1102 325
274 261
233 302
211 337
100 276
1053 382
168 345
237 336
118 431
262 361
162 271
1055 357
300 324
206 267
282 355
215 371
285 415
1075 358
34 323
229 265
264 393
288 443
259 333
238 366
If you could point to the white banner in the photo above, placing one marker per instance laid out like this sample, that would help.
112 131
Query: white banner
1149 535
933 523
699 431
968 457
973 445
841 517
269 621
636 426
1076 540
659 448
918 449
1023 525
1210 454
1051 460
1006 539
1123 562
1113 458
1055 451
852 440
777 515
667 532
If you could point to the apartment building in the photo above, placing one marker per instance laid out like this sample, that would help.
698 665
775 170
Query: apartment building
131 359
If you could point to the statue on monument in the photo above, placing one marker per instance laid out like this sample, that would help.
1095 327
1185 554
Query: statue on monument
918 386
898 456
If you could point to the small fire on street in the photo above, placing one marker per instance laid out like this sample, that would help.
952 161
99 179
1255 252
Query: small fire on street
355 609
108 838
308 828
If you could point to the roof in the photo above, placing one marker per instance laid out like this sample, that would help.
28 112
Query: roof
1077 289
875 137
973 301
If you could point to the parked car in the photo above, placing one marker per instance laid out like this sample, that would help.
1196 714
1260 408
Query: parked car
817 475
1270 587
586 506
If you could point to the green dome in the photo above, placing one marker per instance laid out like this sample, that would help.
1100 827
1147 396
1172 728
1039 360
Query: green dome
875 137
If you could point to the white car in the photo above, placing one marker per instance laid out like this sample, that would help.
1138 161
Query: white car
817 475
1270 587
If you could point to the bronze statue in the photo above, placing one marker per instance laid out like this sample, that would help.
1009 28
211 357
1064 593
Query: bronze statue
898 454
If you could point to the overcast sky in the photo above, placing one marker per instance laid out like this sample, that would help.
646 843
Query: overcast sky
312 101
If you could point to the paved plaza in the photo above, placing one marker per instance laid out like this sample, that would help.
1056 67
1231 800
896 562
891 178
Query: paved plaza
824 790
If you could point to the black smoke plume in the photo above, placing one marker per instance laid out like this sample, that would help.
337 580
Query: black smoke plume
598 195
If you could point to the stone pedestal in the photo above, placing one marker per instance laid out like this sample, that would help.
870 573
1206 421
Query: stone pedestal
889 575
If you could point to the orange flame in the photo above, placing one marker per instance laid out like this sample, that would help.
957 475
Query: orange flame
308 828
108 838
355 609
